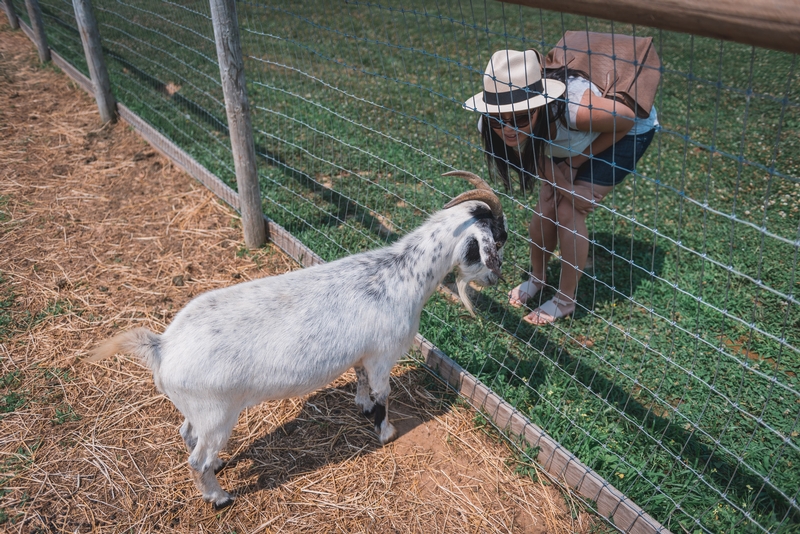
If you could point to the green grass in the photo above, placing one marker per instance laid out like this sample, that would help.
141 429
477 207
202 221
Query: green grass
677 377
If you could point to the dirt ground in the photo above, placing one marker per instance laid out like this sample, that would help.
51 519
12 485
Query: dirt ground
99 233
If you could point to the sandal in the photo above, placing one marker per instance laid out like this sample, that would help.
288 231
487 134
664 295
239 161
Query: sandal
525 290
550 311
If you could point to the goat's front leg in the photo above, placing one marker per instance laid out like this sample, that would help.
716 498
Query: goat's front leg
379 381
363 399
385 429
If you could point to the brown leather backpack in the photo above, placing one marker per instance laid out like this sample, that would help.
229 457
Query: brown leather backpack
626 67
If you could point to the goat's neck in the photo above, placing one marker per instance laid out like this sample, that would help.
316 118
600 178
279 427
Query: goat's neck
426 256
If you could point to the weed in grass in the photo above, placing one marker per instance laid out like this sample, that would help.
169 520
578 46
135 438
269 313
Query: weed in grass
12 401
7 298
4 215
65 413
54 309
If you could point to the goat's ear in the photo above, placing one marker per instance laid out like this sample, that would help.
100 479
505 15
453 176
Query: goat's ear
490 256
492 260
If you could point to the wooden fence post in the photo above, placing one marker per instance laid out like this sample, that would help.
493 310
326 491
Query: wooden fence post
39 37
90 36
237 108
12 15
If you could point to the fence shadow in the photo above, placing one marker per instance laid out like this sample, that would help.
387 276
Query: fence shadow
330 430
342 206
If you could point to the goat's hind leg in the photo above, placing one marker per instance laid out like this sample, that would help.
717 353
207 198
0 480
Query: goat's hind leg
204 461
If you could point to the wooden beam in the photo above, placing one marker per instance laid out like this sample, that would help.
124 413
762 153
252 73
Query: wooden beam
773 24
237 108
13 20
90 37
39 37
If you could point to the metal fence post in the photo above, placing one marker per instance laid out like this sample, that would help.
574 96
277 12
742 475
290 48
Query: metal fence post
39 37
90 36
12 15
237 108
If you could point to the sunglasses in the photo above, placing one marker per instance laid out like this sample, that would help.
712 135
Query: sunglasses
518 121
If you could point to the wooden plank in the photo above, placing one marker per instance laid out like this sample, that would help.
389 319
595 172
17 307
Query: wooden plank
11 13
773 24
77 76
90 37
554 459
37 35
237 107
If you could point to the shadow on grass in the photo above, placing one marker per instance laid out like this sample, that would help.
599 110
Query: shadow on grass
341 207
331 430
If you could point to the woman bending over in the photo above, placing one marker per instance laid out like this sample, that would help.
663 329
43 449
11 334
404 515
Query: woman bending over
560 129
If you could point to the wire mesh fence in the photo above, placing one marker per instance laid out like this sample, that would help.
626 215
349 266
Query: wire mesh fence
676 377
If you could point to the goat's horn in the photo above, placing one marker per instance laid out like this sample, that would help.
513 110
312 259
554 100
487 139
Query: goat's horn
484 193
474 179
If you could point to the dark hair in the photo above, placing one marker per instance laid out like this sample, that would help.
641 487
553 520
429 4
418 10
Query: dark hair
528 161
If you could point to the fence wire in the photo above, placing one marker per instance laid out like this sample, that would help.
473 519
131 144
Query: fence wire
676 377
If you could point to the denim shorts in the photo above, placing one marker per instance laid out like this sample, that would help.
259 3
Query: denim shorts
612 165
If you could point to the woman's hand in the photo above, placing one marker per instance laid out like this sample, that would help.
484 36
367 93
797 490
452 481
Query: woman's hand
583 196
558 175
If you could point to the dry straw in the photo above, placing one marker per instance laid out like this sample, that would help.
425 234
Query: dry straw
97 233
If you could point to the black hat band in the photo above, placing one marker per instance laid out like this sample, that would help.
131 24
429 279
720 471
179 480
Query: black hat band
512 97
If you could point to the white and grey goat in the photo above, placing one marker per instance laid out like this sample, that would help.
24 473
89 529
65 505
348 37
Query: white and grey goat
289 335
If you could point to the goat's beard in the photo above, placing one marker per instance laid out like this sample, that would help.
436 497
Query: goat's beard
461 285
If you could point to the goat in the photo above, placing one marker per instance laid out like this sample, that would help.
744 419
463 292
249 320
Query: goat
288 335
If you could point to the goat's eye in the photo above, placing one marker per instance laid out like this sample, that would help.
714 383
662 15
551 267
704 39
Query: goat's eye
498 245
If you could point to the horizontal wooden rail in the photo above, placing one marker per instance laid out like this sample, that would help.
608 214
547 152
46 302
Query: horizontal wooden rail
773 24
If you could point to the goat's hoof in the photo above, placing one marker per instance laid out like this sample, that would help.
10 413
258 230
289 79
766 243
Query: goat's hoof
368 413
223 504
386 433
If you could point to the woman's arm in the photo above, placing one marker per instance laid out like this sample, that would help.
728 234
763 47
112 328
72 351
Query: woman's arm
597 114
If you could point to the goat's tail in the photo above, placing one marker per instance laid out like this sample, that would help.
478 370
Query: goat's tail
140 342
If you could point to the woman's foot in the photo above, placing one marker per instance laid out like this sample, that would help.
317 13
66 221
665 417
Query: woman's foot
553 309
518 296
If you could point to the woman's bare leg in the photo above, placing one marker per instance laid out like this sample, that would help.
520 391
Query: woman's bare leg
544 236
573 238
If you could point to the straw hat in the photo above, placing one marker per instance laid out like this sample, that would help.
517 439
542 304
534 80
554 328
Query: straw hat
513 82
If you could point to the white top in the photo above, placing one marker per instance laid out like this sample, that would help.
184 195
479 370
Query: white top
569 141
